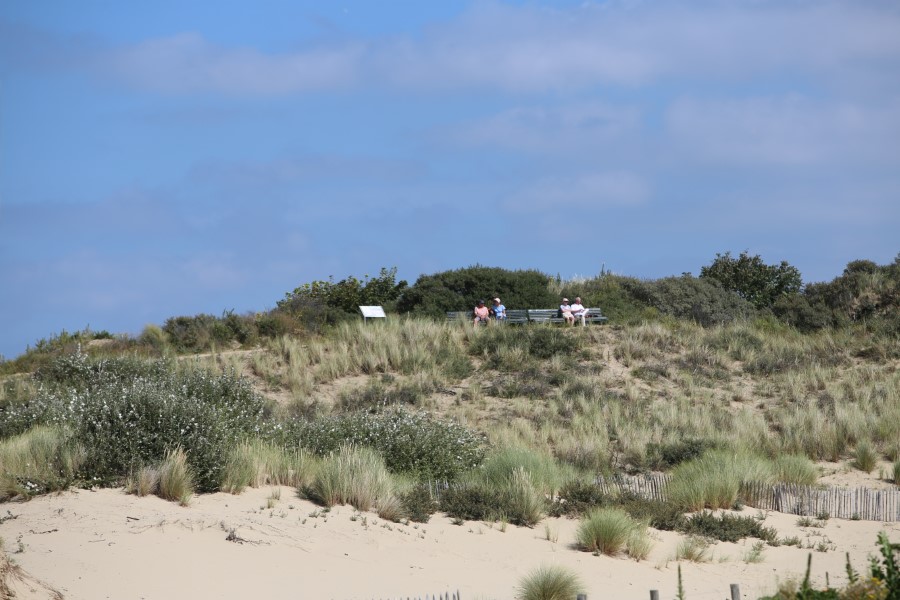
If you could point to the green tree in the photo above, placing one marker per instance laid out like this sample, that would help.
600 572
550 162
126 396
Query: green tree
460 289
755 281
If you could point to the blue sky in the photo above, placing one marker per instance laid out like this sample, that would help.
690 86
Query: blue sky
172 158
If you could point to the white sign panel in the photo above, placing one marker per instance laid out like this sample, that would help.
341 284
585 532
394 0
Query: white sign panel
372 312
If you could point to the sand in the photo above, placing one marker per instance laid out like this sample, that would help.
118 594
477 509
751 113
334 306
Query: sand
108 544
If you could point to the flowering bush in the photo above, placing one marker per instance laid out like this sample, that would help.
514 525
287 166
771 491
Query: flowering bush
415 443
130 414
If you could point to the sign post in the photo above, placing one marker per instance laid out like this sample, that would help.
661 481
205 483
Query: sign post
372 312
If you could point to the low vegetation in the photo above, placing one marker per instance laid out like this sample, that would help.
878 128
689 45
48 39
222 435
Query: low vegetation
722 381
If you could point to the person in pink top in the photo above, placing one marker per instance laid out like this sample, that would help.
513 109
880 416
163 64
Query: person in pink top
482 315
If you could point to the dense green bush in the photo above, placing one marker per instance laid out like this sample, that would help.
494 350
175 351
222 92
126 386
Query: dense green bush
459 290
755 281
577 497
127 414
418 503
686 297
865 291
202 332
727 528
347 295
414 443
471 502
663 457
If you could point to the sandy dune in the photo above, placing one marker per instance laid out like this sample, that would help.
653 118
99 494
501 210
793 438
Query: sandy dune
107 544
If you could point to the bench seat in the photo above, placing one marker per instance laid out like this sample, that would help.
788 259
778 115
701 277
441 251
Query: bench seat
518 316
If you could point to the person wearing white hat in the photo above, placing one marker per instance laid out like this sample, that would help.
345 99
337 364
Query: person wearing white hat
565 309
498 310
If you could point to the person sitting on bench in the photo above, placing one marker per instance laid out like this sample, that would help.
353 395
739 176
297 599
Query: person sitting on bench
565 311
482 315
498 310
579 311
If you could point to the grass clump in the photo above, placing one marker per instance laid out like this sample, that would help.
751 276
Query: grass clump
256 462
610 530
143 482
693 548
549 583
797 469
43 459
176 480
352 475
714 480
864 457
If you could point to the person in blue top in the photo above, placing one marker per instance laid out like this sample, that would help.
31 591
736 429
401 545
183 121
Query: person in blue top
498 310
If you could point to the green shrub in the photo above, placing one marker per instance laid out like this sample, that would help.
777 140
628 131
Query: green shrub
414 443
758 283
664 516
578 497
664 456
471 502
436 294
727 528
127 415
419 503
347 295
549 583
687 297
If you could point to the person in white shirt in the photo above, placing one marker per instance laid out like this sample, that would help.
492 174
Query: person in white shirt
578 311
565 310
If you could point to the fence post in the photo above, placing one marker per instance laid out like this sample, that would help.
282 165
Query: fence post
735 592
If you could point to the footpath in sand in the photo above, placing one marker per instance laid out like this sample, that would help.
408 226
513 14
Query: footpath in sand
91 545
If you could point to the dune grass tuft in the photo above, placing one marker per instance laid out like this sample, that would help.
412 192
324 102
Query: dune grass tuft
176 480
43 459
610 530
352 475
551 582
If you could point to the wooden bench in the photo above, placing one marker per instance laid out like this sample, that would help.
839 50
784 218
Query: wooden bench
518 316
513 317
550 315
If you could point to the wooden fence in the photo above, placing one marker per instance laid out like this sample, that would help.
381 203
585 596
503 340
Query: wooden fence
445 596
842 503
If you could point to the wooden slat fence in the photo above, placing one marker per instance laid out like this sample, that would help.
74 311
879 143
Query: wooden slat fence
842 503
445 596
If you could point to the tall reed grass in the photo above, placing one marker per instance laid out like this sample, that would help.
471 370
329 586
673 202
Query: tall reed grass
41 460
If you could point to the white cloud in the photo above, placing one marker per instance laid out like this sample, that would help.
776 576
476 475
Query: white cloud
188 63
578 126
789 130
838 44
581 193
